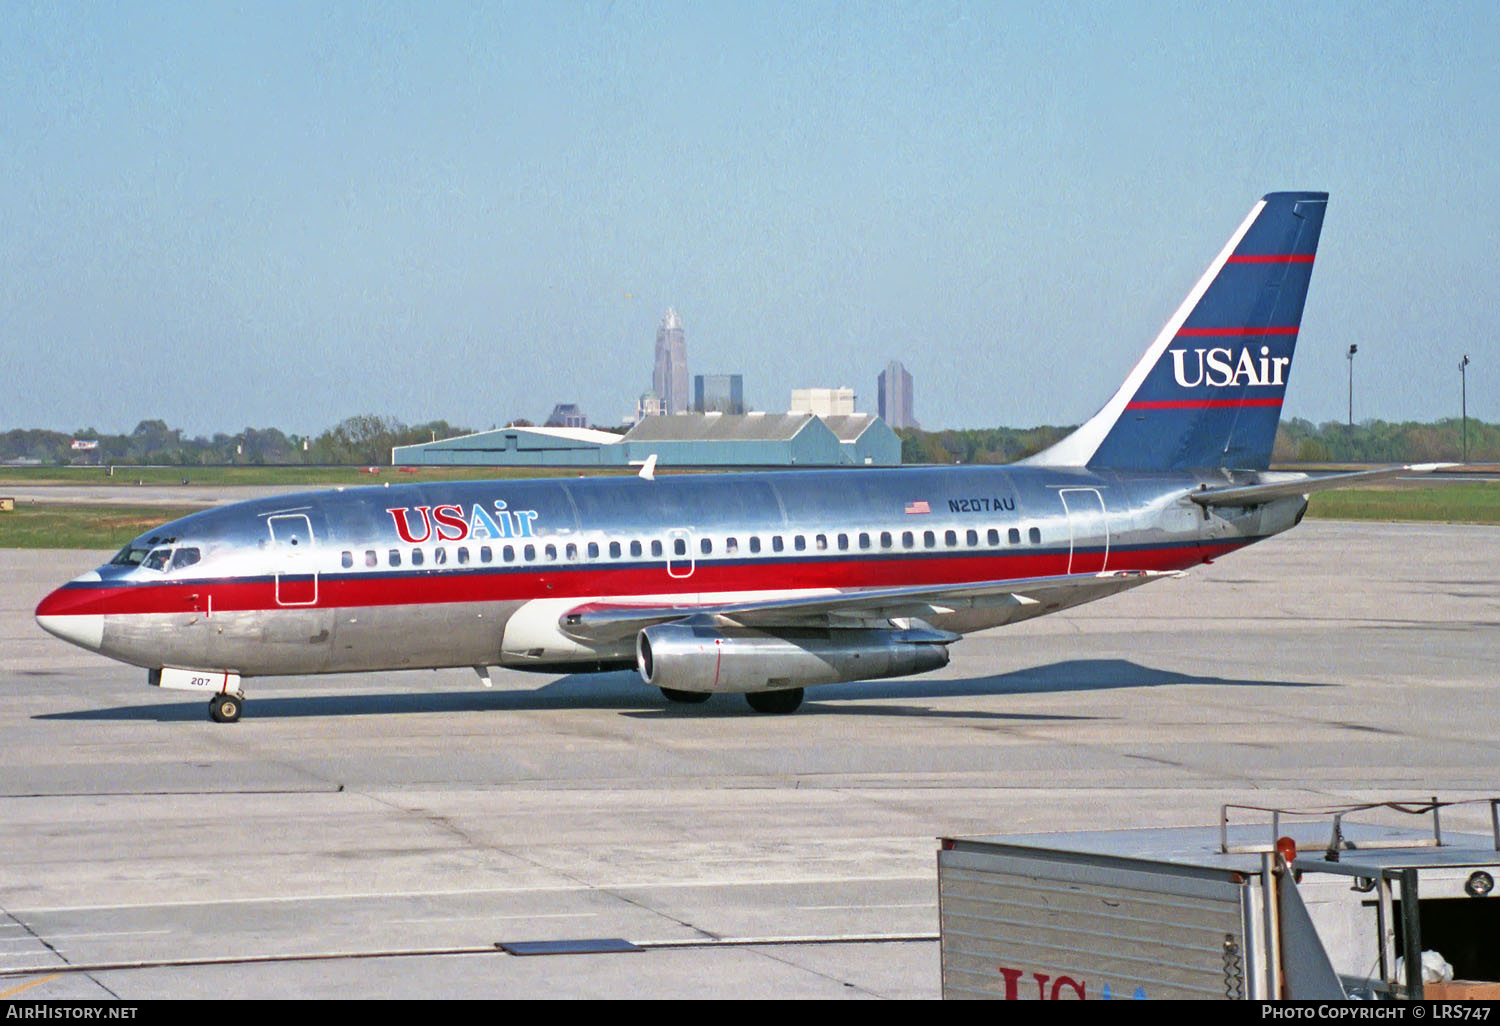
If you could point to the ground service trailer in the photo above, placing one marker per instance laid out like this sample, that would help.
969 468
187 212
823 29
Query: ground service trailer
1300 904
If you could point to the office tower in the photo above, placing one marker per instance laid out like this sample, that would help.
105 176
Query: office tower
718 393
894 388
823 402
670 379
567 415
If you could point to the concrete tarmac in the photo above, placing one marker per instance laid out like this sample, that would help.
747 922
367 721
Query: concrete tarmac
378 835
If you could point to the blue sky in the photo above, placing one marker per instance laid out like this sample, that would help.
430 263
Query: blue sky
283 215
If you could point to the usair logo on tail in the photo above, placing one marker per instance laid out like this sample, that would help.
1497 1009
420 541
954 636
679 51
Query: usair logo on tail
1218 368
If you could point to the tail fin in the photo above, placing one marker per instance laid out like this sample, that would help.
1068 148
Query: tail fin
1208 391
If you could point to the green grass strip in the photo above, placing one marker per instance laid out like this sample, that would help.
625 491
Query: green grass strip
63 526
1472 502
310 477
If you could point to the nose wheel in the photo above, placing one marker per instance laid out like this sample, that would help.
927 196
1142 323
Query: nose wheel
225 708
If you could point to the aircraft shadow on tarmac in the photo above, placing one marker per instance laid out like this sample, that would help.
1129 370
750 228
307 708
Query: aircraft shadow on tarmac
625 692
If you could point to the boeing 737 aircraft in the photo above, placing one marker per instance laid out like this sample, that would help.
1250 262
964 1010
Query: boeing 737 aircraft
760 584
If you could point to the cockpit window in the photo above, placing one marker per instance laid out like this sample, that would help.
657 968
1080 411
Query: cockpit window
185 556
130 555
157 559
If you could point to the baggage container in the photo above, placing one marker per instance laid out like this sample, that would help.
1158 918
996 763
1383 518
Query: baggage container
1280 903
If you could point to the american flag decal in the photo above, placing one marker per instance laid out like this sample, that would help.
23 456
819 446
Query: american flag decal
920 506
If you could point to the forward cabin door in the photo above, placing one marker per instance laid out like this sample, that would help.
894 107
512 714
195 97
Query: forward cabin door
1088 530
293 559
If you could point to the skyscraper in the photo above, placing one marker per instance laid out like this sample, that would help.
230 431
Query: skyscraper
718 393
894 389
670 379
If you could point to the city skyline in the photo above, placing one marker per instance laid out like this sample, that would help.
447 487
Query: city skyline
436 213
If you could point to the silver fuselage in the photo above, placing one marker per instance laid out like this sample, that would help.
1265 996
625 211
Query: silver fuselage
479 573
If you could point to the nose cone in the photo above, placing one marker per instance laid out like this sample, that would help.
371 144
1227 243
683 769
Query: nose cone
74 612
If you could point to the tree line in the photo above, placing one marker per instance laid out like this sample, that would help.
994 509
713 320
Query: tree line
1297 441
368 439
365 439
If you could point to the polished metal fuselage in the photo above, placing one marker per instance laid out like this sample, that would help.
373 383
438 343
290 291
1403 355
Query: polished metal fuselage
324 582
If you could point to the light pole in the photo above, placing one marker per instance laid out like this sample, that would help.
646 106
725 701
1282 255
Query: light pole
1352 351
1463 377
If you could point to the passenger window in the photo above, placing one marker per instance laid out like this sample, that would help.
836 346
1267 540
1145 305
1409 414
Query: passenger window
754 543
778 544
950 538
184 557
799 543
706 546
550 551
635 548
908 540
972 537
656 547
864 540
614 550
440 555
731 545
821 541
571 552
346 560
463 553
508 553
395 557
679 546
593 550
929 539
1035 534
843 540
529 553
1014 536
885 539
994 537
372 558
486 554
416 557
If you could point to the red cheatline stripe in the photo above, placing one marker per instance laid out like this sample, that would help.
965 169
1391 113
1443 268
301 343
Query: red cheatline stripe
1271 258
1199 404
1283 329
351 591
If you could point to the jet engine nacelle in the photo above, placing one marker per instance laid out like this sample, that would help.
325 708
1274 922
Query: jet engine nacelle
684 657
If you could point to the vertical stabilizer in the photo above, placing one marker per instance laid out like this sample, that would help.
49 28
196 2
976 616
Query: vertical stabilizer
1208 391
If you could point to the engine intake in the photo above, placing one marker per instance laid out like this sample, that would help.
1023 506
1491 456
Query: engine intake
686 657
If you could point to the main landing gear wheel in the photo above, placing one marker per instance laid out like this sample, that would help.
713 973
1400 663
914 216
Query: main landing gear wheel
777 702
225 708
686 697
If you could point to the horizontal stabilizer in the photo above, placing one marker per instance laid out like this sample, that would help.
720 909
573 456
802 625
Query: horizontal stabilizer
1301 484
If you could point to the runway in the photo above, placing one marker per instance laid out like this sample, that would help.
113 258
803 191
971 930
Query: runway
379 835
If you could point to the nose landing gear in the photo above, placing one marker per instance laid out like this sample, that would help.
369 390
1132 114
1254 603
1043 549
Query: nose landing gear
226 700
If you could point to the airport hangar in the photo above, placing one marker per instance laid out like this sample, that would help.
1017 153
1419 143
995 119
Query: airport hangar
681 440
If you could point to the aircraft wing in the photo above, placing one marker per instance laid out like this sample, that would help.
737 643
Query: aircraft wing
1255 494
603 621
